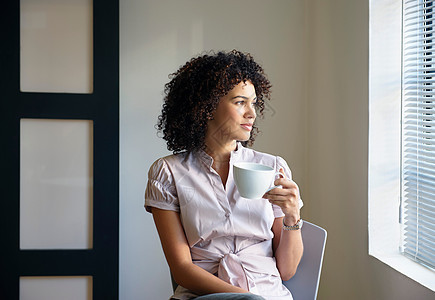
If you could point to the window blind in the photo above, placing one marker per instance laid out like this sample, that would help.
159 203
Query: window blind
418 132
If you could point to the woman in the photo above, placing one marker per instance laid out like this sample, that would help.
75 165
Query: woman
218 244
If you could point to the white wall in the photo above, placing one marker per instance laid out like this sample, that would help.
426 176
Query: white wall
156 38
316 55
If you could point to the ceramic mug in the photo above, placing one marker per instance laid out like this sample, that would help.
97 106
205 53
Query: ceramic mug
253 180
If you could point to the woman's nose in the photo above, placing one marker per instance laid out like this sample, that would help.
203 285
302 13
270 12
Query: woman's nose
250 112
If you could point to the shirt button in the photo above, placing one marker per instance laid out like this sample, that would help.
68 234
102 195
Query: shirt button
227 215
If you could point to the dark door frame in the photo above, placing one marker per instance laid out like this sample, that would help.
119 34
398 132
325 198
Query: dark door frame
102 106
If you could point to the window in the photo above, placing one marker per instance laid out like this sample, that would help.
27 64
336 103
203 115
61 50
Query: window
418 132
399 190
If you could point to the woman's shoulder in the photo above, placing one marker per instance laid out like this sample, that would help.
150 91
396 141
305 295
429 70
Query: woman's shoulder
171 158
165 164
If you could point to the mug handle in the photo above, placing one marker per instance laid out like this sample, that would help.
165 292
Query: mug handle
276 186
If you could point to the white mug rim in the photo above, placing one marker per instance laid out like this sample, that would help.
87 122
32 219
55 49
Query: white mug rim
244 166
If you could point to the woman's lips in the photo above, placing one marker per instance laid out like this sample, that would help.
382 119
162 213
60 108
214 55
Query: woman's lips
247 126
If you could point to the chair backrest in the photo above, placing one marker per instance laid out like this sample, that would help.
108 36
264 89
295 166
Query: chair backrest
305 283
174 283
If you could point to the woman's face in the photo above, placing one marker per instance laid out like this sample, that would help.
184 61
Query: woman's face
234 115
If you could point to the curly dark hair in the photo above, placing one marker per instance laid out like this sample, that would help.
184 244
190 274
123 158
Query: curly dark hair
194 91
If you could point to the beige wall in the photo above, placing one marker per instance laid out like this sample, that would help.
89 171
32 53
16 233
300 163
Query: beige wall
316 55
337 154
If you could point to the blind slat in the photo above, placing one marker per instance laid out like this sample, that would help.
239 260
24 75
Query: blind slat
422 197
419 194
412 81
418 128
423 253
423 224
428 148
417 155
419 167
413 234
419 171
417 206
424 245
422 105
429 209
414 114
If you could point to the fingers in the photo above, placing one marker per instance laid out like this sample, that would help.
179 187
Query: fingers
285 183
281 170
284 201
282 195
289 190
286 197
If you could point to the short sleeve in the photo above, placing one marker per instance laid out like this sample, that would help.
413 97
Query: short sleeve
281 163
160 191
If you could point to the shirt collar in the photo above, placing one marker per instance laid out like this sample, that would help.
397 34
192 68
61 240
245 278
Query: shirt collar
208 160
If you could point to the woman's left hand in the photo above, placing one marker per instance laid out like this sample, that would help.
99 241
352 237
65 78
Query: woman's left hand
287 198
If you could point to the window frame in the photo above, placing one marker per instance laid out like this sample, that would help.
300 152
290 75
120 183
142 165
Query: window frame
385 79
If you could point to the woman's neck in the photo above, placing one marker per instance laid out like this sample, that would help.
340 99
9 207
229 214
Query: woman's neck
220 152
